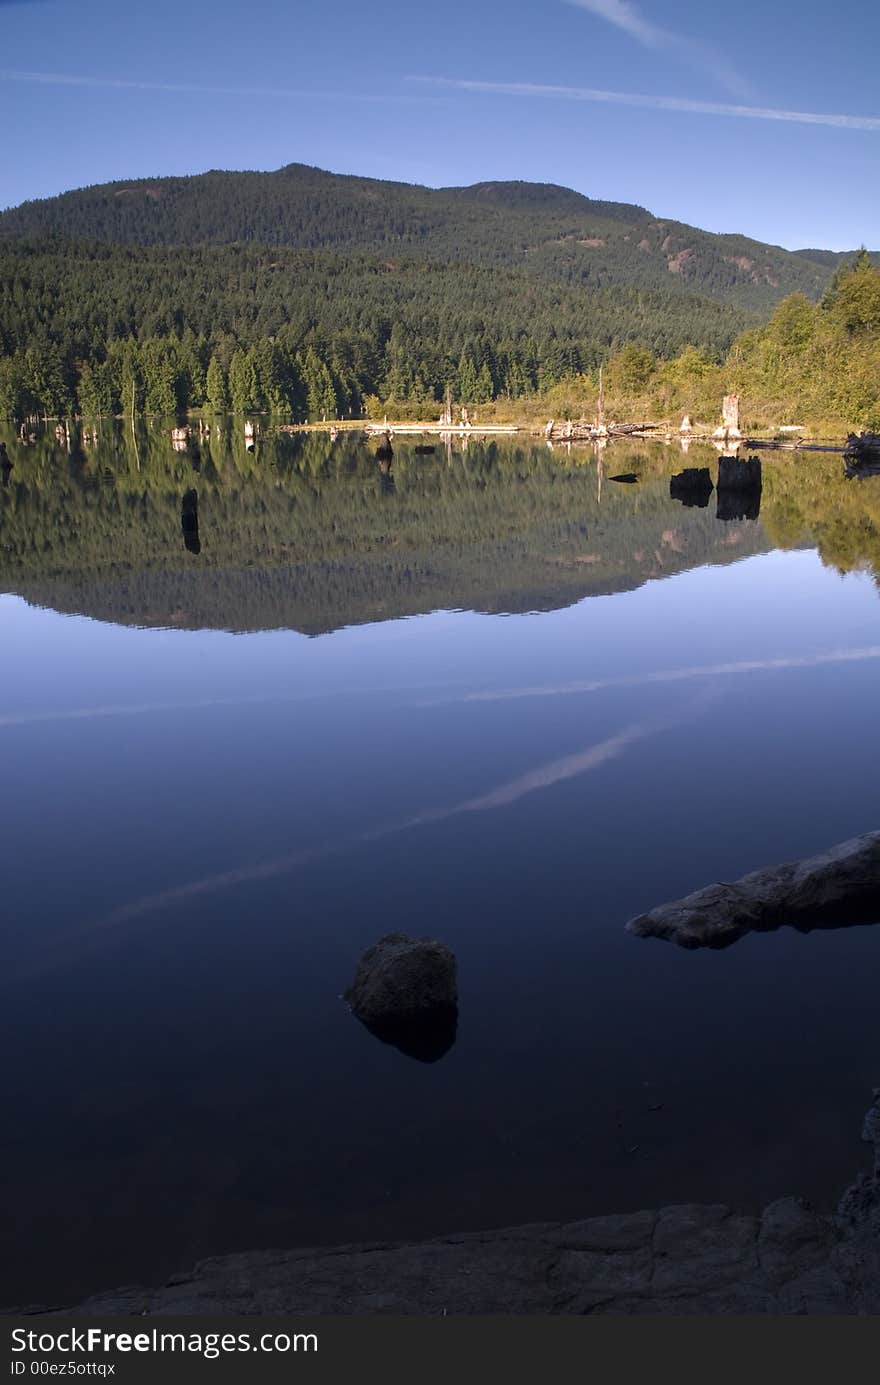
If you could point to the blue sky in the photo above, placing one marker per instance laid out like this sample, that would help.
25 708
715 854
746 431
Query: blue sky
762 117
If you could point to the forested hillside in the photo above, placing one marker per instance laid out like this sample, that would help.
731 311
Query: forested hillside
310 295
305 333
544 229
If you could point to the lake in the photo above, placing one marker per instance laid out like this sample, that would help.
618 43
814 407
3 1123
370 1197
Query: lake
260 708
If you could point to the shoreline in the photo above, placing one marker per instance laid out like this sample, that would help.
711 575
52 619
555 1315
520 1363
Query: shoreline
684 1259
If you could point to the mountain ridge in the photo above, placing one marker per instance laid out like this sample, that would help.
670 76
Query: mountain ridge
545 228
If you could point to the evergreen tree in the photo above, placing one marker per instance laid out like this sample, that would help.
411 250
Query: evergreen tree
484 389
96 395
15 399
158 362
321 400
467 384
215 384
242 383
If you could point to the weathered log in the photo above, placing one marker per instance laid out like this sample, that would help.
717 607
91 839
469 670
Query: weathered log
835 889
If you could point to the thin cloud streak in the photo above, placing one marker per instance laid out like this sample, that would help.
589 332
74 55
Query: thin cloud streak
511 791
668 675
569 767
708 59
654 103
625 16
502 796
67 79
136 709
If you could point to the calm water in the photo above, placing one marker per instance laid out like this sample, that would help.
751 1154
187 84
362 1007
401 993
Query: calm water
491 696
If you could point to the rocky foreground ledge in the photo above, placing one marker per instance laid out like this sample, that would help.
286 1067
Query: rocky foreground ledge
679 1260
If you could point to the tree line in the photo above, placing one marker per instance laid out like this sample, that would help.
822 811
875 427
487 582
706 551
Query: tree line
87 328
104 330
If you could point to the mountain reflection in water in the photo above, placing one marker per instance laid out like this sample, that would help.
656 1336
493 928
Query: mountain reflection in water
297 534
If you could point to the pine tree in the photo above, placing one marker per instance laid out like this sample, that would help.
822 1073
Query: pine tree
467 384
242 383
96 397
218 394
321 402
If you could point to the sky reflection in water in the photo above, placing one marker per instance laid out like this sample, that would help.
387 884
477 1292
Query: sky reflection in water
204 829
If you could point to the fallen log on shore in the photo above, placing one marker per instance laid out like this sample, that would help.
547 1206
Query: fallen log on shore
590 432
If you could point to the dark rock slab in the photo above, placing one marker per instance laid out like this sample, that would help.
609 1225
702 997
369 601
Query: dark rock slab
690 1259
680 1260
835 889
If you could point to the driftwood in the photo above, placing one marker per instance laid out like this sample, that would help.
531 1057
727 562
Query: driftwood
625 430
590 432
835 889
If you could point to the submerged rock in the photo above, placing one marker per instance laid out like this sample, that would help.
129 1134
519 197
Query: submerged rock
837 888
405 992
